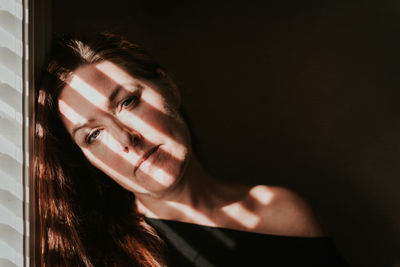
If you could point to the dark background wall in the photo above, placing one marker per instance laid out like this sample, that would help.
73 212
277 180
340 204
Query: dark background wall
297 93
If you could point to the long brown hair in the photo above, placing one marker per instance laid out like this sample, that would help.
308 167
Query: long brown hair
84 217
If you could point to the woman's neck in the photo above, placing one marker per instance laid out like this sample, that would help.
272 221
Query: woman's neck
192 199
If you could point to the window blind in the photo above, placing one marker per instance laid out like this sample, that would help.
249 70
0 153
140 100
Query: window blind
13 141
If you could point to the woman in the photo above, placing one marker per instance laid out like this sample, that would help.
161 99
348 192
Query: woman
115 171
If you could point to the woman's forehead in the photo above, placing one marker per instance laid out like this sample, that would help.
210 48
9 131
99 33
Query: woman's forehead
88 91
96 84
100 77
114 72
91 88
76 109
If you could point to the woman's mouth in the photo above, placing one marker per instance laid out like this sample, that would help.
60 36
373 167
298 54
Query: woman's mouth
145 157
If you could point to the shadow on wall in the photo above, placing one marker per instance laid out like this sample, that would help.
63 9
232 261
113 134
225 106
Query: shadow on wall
298 94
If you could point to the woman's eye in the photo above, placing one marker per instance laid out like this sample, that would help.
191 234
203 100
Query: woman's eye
130 101
93 136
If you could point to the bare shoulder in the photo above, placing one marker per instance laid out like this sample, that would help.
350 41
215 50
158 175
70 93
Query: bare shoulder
282 212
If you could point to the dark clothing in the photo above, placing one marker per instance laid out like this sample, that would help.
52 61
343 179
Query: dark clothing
196 245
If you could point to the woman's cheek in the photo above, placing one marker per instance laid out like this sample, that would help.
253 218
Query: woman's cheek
92 158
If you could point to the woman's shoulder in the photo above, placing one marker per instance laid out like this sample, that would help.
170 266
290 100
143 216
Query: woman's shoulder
281 211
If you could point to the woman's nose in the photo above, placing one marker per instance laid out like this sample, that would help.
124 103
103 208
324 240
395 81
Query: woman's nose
128 138
132 140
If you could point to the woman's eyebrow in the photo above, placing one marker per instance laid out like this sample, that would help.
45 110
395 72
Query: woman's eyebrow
77 129
80 127
118 89
114 94
111 99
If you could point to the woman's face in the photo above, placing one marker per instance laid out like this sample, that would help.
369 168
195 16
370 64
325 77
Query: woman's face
126 127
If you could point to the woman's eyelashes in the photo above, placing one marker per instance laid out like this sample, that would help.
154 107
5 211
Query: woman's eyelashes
129 102
92 136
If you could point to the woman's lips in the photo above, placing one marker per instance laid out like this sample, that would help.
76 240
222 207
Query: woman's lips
145 157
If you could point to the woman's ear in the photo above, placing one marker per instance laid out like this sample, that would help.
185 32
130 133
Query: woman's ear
173 91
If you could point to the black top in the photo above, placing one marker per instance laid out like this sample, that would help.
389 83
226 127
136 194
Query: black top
190 244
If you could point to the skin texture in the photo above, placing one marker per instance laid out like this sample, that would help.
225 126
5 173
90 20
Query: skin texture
119 135
142 120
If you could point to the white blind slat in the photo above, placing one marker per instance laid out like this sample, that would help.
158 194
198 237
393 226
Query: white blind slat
7 252
11 60
12 160
13 7
8 40
7 263
11 185
11 24
7 76
11 96
11 130
8 218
